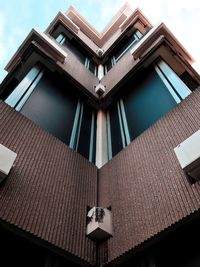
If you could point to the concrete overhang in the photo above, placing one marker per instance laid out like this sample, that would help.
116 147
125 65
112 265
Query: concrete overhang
40 47
73 21
146 43
99 38
133 18
65 21
42 41
158 42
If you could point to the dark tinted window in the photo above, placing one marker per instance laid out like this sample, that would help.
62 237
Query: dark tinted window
92 67
147 100
116 138
84 140
75 50
124 45
51 107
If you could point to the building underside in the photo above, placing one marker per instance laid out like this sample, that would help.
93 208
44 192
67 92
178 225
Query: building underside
94 119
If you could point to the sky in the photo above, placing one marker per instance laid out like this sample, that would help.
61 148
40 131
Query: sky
18 17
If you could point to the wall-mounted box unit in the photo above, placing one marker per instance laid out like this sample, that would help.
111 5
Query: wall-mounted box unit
99 224
188 154
100 89
7 158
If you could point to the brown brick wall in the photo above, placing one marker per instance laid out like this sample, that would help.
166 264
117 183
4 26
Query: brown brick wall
144 184
48 190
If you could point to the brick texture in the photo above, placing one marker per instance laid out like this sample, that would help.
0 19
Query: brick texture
145 185
48 190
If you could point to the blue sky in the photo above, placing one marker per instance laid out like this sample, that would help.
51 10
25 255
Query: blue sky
18 17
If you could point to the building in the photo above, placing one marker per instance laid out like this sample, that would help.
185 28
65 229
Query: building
94 119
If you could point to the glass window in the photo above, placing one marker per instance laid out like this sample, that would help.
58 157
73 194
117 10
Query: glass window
116 141
78 51
75 50
128 44
146 98
25 87
50 104
125 45
147 102
50 107
108 65
61 38
93 134
92 67
86 138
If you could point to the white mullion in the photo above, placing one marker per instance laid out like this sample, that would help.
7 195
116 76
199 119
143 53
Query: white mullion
79 127
105 69
174 79
95 71
109 136
124 52
87 63
91 138
88 66
113 61
138 34
167 84
29 91
75 125
22 87
121 125
61 38
131 44
124 121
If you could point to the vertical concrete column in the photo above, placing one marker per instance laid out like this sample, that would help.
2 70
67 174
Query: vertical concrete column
101 140
100 71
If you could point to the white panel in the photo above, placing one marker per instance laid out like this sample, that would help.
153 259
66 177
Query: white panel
7 158
189 150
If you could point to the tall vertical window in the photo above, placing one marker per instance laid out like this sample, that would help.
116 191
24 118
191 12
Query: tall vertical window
83 137
49 102
78 51
122 48
145 100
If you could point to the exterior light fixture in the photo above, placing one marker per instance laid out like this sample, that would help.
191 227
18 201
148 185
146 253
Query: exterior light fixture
99 224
